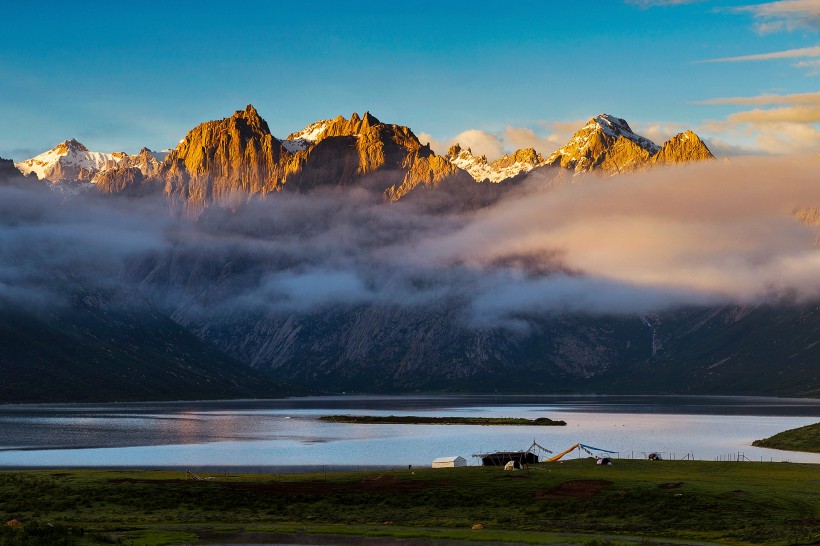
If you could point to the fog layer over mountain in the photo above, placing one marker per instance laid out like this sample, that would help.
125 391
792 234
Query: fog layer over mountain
702 234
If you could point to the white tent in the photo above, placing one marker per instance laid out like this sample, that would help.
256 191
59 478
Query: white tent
449 462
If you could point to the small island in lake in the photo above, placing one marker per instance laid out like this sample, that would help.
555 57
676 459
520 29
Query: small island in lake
797 439
416 420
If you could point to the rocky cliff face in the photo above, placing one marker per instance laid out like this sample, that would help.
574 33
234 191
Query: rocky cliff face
122 180
682 148
377 346
238 156
219 158
809 215
607 144
147 161
346 151
7 168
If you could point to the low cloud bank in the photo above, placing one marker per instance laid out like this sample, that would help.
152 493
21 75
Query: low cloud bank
722 232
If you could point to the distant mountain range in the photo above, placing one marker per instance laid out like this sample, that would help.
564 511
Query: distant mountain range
192 318
216 159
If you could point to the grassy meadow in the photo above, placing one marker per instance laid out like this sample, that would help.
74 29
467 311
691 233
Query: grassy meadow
797 439
574 502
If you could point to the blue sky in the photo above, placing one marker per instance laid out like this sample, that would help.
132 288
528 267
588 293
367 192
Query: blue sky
120 76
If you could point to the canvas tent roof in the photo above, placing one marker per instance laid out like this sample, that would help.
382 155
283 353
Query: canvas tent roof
447 459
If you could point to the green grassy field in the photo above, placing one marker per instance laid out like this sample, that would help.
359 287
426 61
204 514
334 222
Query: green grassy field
797 439
576 502
416 420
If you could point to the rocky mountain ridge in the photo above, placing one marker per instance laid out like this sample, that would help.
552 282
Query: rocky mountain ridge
68 161
229 289
238 155
607 144
71 162
218 160
504 168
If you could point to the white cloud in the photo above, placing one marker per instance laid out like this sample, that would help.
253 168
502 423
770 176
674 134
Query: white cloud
660 132
545 138
480 143
764 136
655 3
436 145
813 51
516 138
797 98
716 229
789 127
813 67
785 15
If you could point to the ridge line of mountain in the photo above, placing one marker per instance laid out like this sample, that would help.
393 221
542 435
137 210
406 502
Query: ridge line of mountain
218 158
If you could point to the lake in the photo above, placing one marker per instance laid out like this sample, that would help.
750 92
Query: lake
280 435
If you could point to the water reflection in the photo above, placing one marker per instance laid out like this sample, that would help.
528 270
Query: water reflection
287 432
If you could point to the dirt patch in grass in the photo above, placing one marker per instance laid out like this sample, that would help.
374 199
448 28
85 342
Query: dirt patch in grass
671 485
578 489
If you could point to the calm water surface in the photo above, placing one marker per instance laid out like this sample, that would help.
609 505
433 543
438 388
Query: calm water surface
287 433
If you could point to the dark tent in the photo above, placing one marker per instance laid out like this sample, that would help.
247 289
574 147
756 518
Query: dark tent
501 458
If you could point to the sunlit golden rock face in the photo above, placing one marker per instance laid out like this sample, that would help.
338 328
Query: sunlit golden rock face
219 158
682 148
607 144
623 156
524 155
424 170
339 126
809 216
236 157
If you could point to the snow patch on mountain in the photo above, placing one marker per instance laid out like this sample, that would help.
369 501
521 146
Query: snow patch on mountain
506 167
605 143
307 137
617 127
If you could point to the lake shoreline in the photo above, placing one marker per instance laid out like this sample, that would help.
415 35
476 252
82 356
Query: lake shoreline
283 436
417 420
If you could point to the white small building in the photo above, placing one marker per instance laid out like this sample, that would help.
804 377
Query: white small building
449 462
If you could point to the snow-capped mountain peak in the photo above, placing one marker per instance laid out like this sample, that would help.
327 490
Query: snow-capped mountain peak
147 161
69 146
618 127
608 144
602 138
69 160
